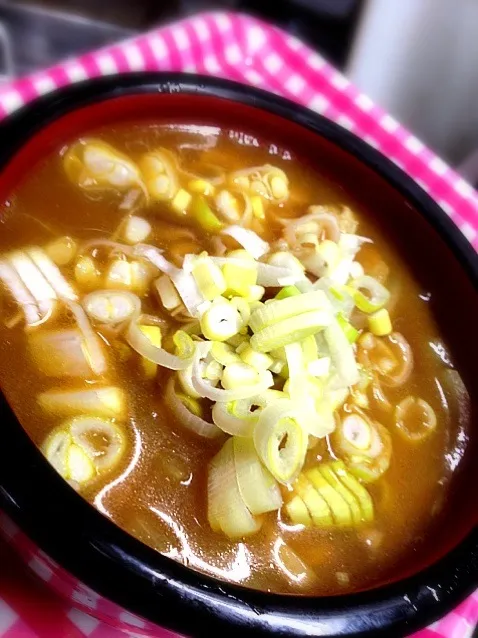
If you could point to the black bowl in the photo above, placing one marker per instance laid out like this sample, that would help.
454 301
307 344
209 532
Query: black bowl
122 569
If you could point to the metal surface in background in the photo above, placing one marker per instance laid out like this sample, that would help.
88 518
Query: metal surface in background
33 37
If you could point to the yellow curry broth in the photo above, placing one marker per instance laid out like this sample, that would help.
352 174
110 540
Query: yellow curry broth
159 492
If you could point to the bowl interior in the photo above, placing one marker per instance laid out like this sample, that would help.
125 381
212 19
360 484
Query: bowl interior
422 245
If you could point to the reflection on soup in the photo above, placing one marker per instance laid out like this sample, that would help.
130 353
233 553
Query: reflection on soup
226 358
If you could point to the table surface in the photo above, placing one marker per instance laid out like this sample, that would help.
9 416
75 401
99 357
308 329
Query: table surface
243 49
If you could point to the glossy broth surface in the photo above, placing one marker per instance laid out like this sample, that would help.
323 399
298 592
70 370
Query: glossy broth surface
158 494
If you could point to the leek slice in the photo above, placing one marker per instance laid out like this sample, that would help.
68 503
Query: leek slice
220 321
328 495
153 334
280 440
208 277
143 346
217 394
298 512
226 508
341 353
111 307
103 441
329 475
377 297
258 488
363 497
338 505
60 353
316 504
105 402
290 330
248 239
79 466
240 277
288 291
186 417
415 419
224 354
281 309
204 216
379 323
366 446
239 417
257 360
136 230
55 448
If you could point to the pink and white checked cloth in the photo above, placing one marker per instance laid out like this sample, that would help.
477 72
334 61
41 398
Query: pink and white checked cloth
244 49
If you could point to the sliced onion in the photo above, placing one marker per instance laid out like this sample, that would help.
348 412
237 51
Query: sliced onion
186 418
280 440
154 255
60 353
402 375
227 511
217 394
103 441
94 351
319 219
248 239
259 490
379 395
52 274
143 346
406 411
183 281
20 293
34 281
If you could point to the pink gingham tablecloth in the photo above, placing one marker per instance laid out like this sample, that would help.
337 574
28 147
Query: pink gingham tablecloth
247 50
